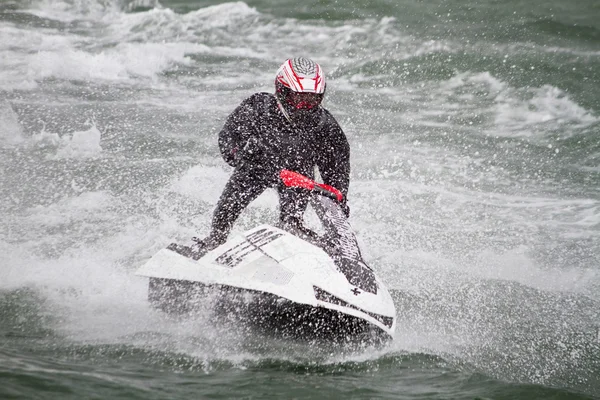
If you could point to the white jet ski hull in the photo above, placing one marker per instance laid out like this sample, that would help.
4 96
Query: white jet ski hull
279 282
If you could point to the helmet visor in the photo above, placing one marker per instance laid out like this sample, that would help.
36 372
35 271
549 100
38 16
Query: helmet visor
304 101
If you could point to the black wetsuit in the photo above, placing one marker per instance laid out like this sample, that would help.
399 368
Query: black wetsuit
259 141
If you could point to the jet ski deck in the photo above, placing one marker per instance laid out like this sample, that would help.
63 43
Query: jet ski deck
280 281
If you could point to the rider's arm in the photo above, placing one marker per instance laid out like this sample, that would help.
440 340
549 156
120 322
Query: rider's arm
334 160
238 128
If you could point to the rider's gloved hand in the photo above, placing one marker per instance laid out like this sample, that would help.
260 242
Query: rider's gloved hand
252 153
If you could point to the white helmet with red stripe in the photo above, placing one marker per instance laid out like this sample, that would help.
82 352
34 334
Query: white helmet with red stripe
300 84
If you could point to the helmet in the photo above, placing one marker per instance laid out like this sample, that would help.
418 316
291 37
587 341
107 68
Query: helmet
300 84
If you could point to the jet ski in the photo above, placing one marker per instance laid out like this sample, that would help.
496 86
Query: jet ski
283 280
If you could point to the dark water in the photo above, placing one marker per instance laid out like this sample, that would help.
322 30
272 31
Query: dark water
475 135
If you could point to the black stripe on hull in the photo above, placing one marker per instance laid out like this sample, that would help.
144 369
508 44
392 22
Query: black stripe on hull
327 297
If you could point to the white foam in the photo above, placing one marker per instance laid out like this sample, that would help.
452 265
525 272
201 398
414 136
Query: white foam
23 267
517 266
526 111
90 287
31 56
434 46
205 183
163 24
17 49
12 37
78 144
489 105
85 205
125 61
484 80
511 265
154 41
69 11
448 232
87 280
202 183
81 144
11 132
84 288
573 51
14 72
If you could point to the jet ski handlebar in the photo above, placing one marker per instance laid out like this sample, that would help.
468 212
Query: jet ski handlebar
294 179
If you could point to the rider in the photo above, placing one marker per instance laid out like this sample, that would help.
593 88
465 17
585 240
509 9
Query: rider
270 132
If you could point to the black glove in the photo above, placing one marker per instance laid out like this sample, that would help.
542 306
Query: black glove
251 153
234 157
